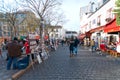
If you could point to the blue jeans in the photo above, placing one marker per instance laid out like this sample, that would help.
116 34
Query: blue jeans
93 48
10 61
96 45
75 50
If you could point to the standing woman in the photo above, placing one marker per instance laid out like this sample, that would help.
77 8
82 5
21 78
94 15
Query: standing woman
27 47
92 45
71 46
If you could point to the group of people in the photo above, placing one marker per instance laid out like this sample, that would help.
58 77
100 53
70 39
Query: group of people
73 45
14 48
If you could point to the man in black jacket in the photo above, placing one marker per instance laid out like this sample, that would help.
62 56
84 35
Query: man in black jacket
76 42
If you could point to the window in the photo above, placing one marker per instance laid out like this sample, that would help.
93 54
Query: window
68 32
56 30
56 35
90 25
52 30
109 13
94 21
5 27
98 20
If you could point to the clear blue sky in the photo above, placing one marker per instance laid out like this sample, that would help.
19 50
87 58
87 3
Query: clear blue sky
71 9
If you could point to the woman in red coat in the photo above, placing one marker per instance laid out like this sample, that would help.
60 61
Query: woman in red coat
28 50
27 47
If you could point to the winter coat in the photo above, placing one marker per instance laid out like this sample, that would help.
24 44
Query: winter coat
76 42
14 49
92 43
27 47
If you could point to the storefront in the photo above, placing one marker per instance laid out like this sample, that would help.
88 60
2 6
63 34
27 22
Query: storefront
113 31
87 38
97 34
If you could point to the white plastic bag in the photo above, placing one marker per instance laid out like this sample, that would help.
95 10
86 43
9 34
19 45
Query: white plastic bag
44 55
39 59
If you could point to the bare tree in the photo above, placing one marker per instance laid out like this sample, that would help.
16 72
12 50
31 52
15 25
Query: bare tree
11 11
54 19
41 8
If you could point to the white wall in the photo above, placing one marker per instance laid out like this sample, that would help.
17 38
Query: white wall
102 11
62 33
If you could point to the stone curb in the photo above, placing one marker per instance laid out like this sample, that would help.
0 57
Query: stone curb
21 72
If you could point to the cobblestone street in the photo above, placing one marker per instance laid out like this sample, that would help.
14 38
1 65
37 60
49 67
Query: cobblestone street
4 73
85 66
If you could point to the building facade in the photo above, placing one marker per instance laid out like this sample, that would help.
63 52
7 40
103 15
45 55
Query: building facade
69 34
54 32
94 24
21 26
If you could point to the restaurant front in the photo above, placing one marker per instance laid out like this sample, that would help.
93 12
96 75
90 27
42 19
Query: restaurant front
113 37
113 31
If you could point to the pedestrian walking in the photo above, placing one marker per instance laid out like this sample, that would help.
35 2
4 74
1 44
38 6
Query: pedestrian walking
62 42
76 43
14 52
92 45
71 46
96 45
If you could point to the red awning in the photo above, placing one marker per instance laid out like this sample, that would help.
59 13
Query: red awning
82 36
111 27
88 34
